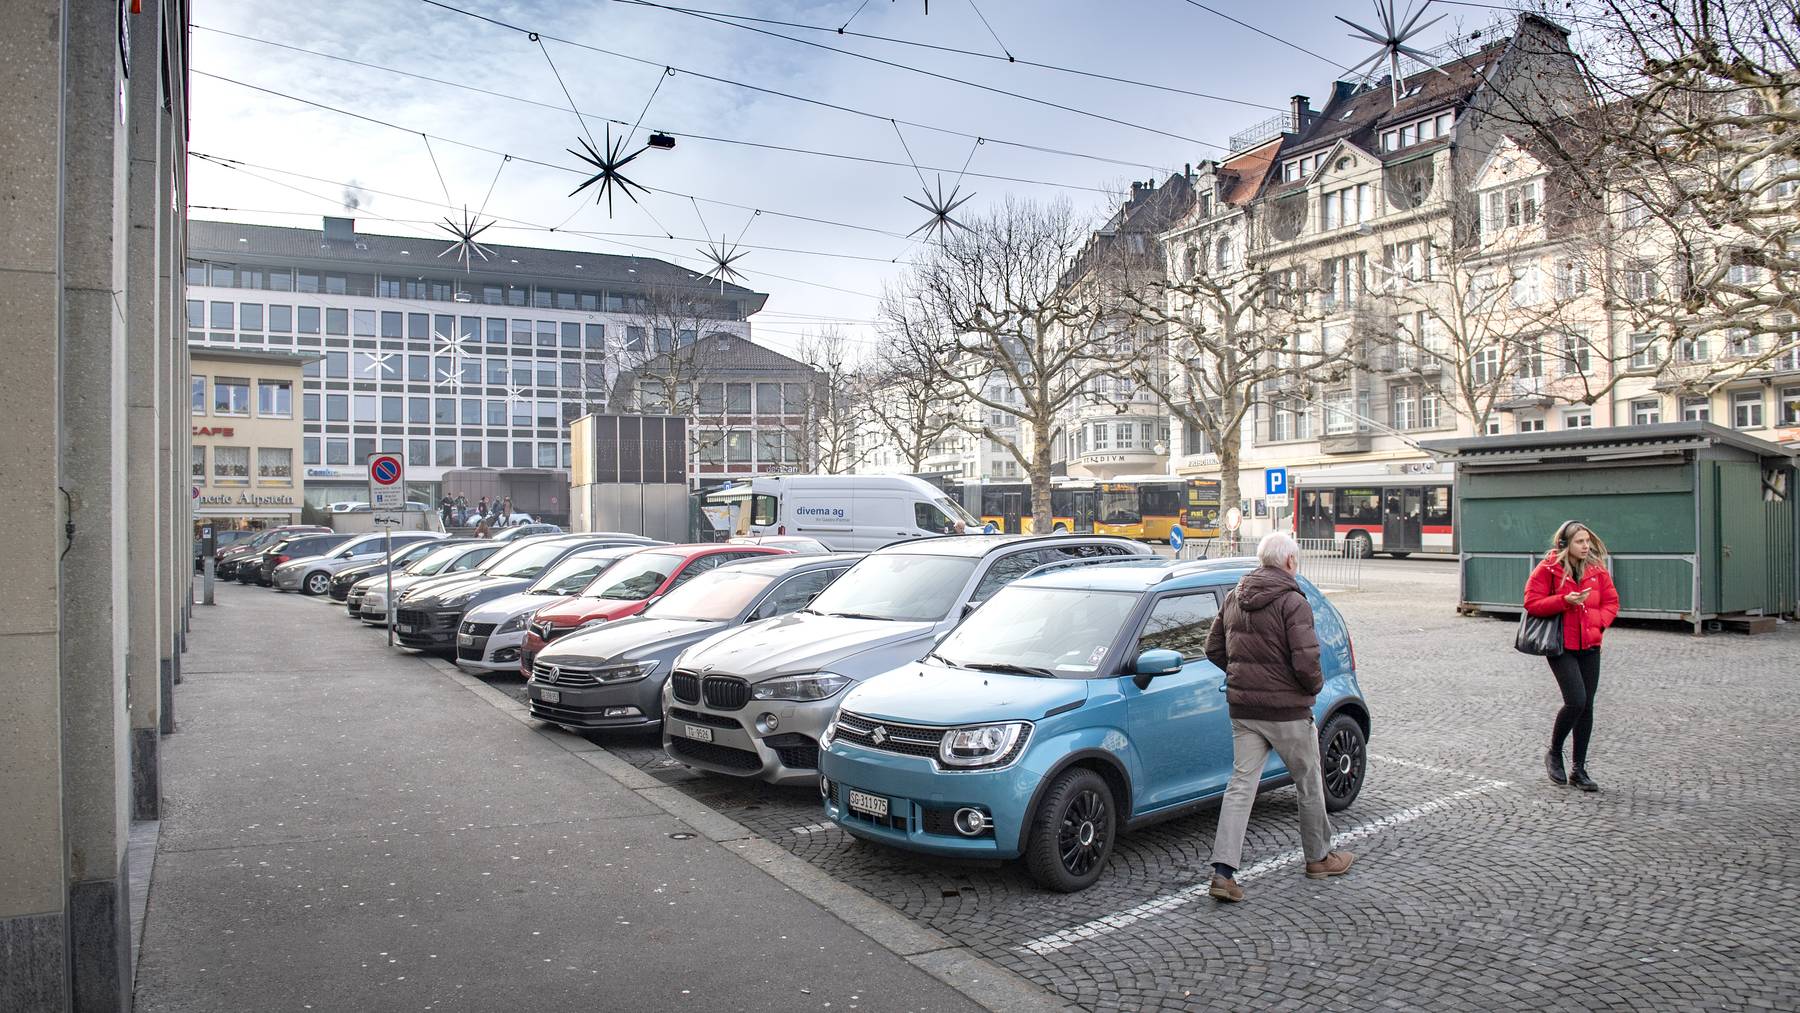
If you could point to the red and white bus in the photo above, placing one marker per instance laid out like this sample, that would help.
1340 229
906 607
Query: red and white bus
1382 508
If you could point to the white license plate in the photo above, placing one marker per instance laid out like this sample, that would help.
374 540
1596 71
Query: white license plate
697 733
398 628
550 695
863 802
465 638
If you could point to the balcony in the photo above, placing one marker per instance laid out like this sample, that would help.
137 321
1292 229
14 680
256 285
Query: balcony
1344 443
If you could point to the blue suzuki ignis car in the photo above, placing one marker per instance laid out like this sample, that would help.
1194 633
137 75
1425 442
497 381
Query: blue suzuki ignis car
1074 704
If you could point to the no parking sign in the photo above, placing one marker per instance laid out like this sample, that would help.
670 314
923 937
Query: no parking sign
387 482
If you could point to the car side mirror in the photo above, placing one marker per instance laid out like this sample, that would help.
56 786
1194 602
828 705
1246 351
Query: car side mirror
1155 662
969 608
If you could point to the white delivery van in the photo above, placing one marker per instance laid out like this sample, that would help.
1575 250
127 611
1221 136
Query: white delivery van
849 513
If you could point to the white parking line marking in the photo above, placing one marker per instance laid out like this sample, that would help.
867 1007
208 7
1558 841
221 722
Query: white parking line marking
1429 769
1108 924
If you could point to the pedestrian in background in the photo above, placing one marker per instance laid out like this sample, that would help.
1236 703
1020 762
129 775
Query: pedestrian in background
1572 582
1265 642
506 512
481 508
444 504
483 529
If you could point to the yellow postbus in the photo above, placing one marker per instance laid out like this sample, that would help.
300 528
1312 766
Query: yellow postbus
1007 506
1140 508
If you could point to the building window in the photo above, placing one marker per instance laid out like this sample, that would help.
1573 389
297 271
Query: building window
1696 409
737 398
1577 354
1491 428
710 446
274 466
547 415
1102 436
471 453
363 323
307 319
768 399
337 321
1344 207
445 454
309 450
275 399
1639 281
377 366
1340 412
1747 409
231 396
231 465
337 451
1404 406
199 394
337 407
496 413
196 314
1691 350
1644 352
418 410
364 406
198 469
1578 418
1646 412
471 411
309 407
222 316
1531 425
737 446
393 410
337 365
1510 207
1571 278
546 455
250 316
281 319
363 449
1430 408
1790 406
596 335
1485 365
445 413
418 453
521 455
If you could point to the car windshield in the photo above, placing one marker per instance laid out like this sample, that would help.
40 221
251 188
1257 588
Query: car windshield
635 577
898 586
417 550
1039 630
528 559
435 561
955 509
721 594
575 573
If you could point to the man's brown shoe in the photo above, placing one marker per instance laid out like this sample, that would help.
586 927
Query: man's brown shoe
1335 864
1226 890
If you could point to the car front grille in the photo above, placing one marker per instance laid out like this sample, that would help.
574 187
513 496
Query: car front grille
715 754
908 740
477 629
797 752
726 692
422 620
563 675
686 687
353 601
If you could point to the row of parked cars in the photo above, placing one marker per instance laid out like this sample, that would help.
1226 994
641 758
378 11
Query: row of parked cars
981 696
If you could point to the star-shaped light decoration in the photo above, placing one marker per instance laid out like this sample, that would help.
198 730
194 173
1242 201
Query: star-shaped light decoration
464 233
939 207
607 165
721 257
1393 38
515 394
452 377
377 363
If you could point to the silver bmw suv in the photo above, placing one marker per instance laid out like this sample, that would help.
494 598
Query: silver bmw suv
753 701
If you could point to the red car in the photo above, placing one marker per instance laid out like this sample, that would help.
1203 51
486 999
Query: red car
627 587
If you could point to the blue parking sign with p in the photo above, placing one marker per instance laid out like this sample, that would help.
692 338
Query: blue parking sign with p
1275 481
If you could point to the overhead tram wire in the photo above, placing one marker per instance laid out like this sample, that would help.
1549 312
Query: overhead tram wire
1095 75
533 161
873 59
1265 34
1022 145
519 224
688 135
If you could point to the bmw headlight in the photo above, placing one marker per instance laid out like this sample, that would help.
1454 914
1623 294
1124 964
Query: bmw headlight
980 745
801 688
514 625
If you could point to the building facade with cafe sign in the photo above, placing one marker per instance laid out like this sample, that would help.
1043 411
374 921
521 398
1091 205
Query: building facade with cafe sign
245 469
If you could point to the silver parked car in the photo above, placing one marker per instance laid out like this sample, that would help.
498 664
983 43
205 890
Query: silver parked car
753 701
312 574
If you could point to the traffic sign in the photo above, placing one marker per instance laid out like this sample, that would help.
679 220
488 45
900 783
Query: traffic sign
1176 537
387 482
1275 486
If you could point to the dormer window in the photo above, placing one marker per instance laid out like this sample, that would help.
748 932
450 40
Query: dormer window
1417 132
1511 207
1300 168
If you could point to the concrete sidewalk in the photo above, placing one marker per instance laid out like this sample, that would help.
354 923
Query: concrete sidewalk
346 828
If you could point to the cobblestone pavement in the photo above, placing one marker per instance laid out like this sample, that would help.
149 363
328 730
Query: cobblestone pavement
1479 885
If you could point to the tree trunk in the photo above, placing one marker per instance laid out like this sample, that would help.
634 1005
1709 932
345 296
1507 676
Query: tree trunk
1040 482
1230 447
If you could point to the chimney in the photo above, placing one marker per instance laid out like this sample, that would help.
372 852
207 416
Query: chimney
1139 191
340 229
1300 110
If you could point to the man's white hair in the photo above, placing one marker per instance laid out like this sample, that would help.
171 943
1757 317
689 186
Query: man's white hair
1276 548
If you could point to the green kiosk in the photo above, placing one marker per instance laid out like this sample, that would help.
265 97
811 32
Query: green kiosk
1699 519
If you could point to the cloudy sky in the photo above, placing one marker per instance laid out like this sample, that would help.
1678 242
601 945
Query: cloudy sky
831 231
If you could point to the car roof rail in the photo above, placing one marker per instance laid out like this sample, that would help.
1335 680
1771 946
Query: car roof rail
1070 564
1188 567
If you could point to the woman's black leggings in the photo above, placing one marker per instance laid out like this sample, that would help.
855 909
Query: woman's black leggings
1578 675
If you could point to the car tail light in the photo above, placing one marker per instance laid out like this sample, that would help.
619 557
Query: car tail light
280 559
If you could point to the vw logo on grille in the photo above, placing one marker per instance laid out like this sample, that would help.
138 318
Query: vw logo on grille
879 735
552 673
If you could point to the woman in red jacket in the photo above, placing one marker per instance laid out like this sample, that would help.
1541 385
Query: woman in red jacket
1572 582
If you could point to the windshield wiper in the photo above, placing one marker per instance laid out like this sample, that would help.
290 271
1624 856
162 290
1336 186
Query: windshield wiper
860 615
1007 667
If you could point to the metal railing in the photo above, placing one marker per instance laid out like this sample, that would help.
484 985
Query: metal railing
1323 561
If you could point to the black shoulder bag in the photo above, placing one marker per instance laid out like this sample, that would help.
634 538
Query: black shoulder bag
1540 635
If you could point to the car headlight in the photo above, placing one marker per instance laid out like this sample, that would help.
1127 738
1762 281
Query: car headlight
800 687
828 734
980 745
630 671
514 625
455 603
591 622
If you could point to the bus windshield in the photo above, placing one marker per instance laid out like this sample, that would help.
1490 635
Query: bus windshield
1118 504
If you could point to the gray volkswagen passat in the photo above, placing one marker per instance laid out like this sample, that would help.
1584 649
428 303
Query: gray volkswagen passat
312 574
612 677
754 700
426 618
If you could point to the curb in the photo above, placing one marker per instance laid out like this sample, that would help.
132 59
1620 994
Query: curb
982 981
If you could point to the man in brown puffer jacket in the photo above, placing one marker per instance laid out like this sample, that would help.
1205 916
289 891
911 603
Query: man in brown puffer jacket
1265 642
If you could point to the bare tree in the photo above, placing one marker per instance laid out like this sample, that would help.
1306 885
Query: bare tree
1692 144
908 403
1226 332
837 406
1005 318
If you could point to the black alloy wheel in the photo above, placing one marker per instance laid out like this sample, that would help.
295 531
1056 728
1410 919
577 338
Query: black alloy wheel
1072 831
1344 756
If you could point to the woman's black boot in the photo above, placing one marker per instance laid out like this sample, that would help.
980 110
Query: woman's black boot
1554 765
1580 779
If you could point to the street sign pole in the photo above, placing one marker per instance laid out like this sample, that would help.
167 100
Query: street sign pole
387 546
387 491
